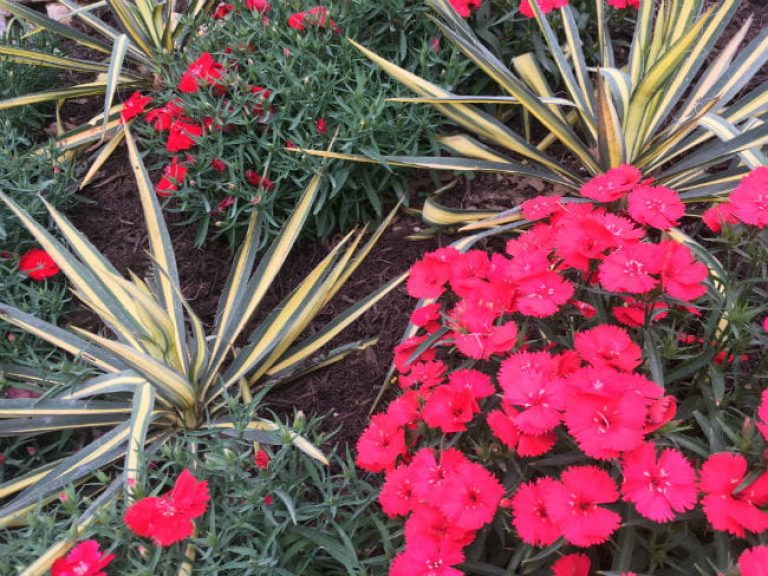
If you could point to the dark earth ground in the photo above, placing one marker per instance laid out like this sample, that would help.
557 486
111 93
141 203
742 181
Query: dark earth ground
111 217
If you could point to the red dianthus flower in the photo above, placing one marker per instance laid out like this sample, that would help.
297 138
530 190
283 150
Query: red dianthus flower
655 206
169 519
750 198
658 487
612 185
85 559
574 505
37 264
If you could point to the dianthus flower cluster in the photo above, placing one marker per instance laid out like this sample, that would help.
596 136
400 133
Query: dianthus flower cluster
481 363
218 79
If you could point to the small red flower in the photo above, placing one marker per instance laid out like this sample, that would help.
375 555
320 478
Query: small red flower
546 6
222 10
182 136
38 265
134 106
219 165
255 179
621 4
612 185
717 215
317 16
173 175
85 559
572 565
261 459
321 126
169 519
465 7
258 6
164 116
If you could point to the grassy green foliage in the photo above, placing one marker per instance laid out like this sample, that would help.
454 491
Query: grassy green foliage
296 517
312 74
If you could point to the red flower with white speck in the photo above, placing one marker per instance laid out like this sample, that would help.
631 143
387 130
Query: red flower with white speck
658 487
38 265
574 505
134 106
750 198
612 185
85 559
169 519
655 206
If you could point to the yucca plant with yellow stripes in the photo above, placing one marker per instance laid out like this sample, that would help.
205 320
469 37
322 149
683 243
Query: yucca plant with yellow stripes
129 57
159 373
675 108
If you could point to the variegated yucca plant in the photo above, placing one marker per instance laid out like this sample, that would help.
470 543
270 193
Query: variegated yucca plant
130 57
675 108
159 373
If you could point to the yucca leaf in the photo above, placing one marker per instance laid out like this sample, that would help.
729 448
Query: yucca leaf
166 274
320 361
126 381
640 105
479 100
243 308
37 408
610 137
742 70
105 152
362 253
22 481
580 91
603 35
726 131
62 339
141 416
274 330
146 21
715 152
438 215
621 88
115 70
452 163
640 41
304 350
126 15
529 70
237 283
39 19
657 150
45 424
105 449
686 70
36 375
170 383
84 135
714 72
78 91
33 58
477 121
84 14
